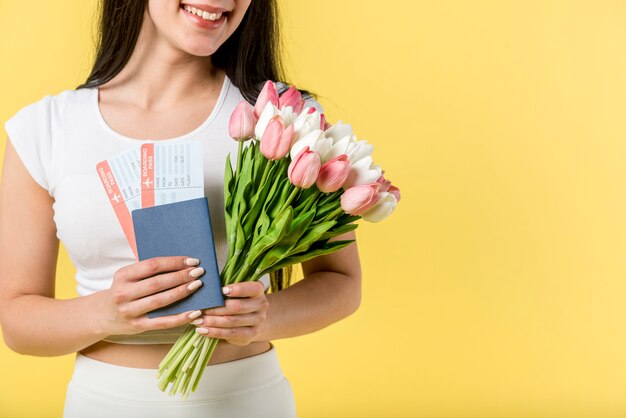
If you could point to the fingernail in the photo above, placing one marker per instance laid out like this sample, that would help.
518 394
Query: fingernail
197 272
202 330
192 261
198 321
194 314
226 290
194 285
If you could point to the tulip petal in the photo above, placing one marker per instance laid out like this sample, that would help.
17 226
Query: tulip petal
268 113
383 207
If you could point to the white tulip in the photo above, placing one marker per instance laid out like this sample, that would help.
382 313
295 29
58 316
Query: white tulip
316 141
287 115
363 171
306 122
269 111
339 131
383 207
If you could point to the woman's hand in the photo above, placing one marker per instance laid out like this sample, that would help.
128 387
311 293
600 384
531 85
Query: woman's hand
239 320
147 285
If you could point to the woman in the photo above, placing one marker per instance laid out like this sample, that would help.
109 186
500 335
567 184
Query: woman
165 71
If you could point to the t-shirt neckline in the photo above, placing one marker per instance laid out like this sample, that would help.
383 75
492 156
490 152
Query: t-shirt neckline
207 121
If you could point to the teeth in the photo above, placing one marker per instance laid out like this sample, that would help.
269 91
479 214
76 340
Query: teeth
203 14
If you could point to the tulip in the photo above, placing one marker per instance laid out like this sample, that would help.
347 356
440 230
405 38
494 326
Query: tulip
316 141
358 199
241 125
339 130
303 170
305 122
268 95
293 98
384 184
383 207
333 174
363 171
395 192
324 125
276 140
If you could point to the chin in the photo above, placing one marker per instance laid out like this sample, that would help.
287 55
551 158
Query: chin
201 50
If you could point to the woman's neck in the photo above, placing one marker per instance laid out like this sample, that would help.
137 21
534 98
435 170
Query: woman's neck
159 75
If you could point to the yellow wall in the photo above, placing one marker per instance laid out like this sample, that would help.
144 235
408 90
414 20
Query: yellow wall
497 288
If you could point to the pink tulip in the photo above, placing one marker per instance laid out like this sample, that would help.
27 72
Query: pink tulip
303 169
293 98
324 125
333 174
395 192
276 140
241 125
268 94
358 199
384 184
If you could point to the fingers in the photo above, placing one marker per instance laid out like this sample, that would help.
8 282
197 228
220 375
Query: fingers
161 299
144 323
153 266
244 290
231 321
236 336
241 317
238 306
161 282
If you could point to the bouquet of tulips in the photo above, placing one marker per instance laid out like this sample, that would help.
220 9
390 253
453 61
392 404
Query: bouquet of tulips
298 183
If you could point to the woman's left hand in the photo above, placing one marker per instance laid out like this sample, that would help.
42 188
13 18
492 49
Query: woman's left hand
239 320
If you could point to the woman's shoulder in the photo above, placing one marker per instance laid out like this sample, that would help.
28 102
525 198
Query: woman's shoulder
51 105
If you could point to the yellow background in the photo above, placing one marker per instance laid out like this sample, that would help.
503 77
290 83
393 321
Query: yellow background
497 288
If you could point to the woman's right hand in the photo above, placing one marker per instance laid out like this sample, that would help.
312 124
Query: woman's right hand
147 285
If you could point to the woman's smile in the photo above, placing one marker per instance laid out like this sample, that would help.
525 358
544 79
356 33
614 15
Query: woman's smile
205 16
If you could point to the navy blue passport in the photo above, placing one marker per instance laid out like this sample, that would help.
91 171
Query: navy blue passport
181 228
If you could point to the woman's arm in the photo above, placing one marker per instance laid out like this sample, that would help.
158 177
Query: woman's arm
35 323
32 321
330 291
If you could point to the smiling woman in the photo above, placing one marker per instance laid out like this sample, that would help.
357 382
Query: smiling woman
164 71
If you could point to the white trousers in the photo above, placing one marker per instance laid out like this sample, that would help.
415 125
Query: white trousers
248 388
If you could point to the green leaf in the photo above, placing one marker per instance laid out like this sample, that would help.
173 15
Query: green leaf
228 185
262 225
283 247
341 229
306 204
274 233
329 248
324 209
257 203
314 234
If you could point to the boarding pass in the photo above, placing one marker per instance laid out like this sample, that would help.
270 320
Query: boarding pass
149 175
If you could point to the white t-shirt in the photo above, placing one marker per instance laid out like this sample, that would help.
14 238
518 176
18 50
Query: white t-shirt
61 138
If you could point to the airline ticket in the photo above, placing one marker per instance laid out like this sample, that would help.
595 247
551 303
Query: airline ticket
149 175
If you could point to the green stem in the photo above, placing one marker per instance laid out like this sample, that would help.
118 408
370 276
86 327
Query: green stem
268 165
239 154
293 194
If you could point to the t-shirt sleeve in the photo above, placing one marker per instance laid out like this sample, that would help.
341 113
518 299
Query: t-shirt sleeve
30 134
311 102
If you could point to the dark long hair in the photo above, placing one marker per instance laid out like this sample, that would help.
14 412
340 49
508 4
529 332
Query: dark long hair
249 57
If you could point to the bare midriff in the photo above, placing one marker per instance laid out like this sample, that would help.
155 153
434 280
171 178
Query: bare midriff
148 356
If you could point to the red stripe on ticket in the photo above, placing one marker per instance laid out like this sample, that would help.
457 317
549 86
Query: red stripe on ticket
117 201
147 175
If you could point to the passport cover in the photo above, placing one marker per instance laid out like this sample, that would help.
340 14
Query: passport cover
181 228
